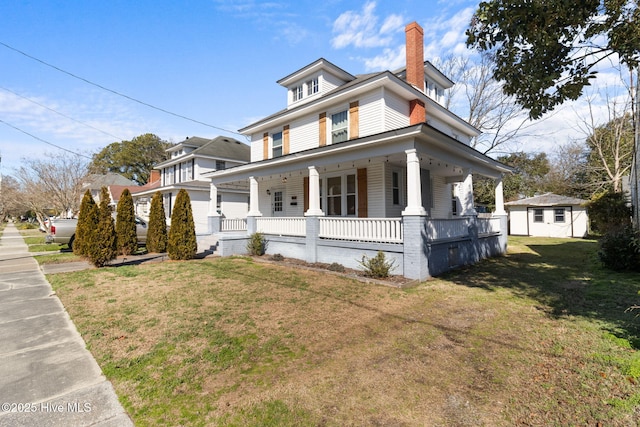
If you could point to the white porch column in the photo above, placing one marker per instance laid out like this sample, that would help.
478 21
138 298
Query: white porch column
466 194
213 200
254 210
499 197
314 193
414 192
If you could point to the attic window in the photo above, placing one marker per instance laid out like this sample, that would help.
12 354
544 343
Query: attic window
312 86
297 93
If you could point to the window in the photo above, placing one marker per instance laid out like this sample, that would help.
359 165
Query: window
312 86
351 195
339 127
278 201
297 93
341 195
538 215
277 144
558 215
220 165
219 203
395 186
334 196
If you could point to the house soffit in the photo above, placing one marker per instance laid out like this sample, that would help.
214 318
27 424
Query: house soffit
389 145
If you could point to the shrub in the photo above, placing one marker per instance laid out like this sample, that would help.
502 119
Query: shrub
126 224
102 245
608 211
334 266
377 266
620 249
87 224
157 231
182 244
257 245
276 257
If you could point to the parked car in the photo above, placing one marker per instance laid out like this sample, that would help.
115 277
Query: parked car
63 231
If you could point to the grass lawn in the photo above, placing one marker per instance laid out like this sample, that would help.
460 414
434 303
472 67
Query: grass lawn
537 338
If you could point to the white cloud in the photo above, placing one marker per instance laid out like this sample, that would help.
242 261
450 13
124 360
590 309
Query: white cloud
360 29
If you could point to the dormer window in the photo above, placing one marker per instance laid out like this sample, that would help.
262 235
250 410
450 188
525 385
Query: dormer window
297 93
312 86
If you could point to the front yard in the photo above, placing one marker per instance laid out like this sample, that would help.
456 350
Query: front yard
539 337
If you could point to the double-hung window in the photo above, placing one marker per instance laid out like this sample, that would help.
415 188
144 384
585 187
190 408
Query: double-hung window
558 215
395 187
339 127
220 165
312 87
297 93
538 215
277 145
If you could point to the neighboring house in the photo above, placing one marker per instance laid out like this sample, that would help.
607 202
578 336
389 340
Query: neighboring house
114 182
548 215
188 160
360 163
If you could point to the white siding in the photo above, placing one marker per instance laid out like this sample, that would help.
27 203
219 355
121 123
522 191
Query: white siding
375 191
441 197
518 219
234 205
391 210
371 108
199 208
396 111
304 133
521 220
329 82
256 147
204 166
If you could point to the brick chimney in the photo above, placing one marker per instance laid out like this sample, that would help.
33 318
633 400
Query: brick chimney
415 70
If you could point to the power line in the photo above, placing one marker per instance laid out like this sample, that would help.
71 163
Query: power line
43 140
116 92
62 114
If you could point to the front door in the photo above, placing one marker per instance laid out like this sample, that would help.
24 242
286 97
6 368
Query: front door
277 203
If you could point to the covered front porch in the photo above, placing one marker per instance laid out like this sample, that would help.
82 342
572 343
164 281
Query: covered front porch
408 193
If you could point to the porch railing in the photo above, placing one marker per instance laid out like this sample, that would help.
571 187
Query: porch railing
382 230
282 226
488 225
233 224
438 229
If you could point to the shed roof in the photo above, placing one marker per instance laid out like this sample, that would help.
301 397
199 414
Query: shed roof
547 199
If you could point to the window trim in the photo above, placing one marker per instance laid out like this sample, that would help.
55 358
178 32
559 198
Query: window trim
313 86
274 146
297 92
344 194
556 214
330 128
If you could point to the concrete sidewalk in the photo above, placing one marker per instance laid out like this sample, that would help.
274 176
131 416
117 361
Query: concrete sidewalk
47 376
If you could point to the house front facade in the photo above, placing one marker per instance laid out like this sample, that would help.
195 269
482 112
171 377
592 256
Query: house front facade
188 160
360 163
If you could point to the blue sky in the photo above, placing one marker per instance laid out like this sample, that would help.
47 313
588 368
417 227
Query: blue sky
214 61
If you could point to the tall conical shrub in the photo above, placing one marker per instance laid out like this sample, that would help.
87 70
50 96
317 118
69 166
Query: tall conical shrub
182 243
126 237
157 231
102 247
87 223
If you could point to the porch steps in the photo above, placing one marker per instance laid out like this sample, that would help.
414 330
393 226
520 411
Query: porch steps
207 245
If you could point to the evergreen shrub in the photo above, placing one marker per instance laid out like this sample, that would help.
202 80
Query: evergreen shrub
126 236
182 244
102 246
87 224
378 266
157 231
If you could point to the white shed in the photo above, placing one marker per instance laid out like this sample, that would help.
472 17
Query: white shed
548 215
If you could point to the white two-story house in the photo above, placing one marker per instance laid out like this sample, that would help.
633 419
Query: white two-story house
188 160
360 163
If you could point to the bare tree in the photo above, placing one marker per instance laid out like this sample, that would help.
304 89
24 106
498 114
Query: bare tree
610 145
481 98
52 185
9 197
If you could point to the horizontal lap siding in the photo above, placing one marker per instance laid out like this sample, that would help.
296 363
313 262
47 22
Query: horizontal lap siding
256 147
441 198
375 189
396 112
370 109
304 133
394 211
